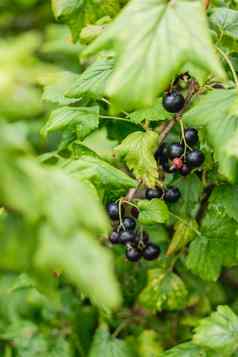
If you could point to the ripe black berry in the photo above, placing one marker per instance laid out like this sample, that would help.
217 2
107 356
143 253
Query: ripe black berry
195 158
115 238
172 195
173 102
113 210
129 223
166 166
191 136
175 150
151 252
127 237
133 254
185 170
151 193
162 152
134 212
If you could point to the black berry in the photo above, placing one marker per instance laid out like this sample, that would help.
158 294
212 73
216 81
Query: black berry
195 158
151 252
191 136
113 210
115 238
162 152
172 195
133 254
134 212
175 150
185 170
166 166
129 223
151 193
173 102
127 237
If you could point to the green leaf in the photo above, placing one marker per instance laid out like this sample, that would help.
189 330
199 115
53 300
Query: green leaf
225 21
92 81
184 233
137 150
191 189
55 86
154 113
84 119
148 344
188 350
228 195
152 212
85 262
164 291
216 112
29 341
160 38
219 331
78 13
103 175
218 243
104 345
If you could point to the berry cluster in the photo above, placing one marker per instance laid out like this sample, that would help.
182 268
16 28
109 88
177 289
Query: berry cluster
175 158
137 244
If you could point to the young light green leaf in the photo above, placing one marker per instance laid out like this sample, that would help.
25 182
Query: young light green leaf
219 331
149 344
104 345
188 350
92 81
160 38
164 291
84 119
103 175
225 20
152 212
85 262
217 113
154 113
137 150
184 233
78 13
55 86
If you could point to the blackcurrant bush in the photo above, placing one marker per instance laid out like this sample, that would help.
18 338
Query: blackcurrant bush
175 150
195 158
113 210
172 194
134 212
185 170
151 193
129 223
191 136
127 237
151 252
115 238
173 102
133 254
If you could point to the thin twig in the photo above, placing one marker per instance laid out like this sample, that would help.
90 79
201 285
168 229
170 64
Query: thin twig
132 192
